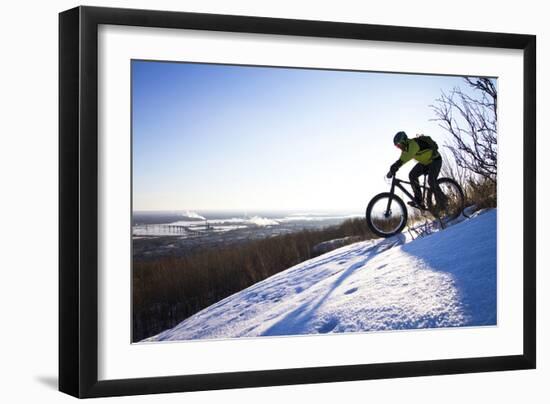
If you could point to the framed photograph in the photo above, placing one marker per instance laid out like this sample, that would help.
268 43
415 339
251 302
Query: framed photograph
249 201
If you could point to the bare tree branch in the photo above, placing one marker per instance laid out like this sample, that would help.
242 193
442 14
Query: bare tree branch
471 120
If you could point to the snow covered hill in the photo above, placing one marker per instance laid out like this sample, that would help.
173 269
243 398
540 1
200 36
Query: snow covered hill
446 279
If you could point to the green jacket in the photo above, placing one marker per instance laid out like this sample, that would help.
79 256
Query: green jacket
413 151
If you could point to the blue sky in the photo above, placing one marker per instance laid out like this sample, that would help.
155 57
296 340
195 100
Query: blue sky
261 138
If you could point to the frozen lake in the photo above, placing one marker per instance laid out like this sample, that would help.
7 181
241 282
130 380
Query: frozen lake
177 233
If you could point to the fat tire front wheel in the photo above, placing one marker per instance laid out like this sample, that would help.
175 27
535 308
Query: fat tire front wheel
375 223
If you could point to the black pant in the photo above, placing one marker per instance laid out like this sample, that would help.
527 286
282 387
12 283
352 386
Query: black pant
432 170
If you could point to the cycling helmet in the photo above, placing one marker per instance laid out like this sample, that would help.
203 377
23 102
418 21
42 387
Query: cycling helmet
400 138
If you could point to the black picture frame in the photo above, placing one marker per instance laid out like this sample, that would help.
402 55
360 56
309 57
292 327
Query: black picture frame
78 201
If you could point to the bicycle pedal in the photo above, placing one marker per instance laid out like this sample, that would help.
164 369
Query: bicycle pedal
415 205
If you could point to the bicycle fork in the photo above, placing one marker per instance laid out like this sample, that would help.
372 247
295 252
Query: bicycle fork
387 213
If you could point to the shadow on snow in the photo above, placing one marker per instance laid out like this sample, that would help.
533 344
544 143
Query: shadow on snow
294 321
470 258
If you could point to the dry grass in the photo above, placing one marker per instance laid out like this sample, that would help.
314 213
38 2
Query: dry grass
481 193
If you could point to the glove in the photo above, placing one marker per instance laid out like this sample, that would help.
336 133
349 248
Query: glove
393 169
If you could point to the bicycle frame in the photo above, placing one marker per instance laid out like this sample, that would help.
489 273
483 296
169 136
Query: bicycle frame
396 182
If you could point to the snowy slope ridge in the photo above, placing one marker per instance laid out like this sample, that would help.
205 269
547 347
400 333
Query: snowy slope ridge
446 279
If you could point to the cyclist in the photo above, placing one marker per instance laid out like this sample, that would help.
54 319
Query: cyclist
424 150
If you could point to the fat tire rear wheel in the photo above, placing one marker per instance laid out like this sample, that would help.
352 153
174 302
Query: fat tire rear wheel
368 215
460 194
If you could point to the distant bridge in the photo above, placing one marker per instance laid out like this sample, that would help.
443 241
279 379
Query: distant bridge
177 229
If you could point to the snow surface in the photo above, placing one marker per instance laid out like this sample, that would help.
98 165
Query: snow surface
446 279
